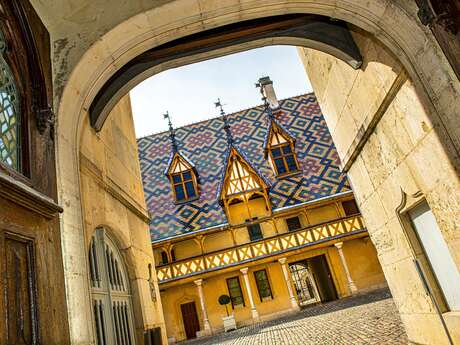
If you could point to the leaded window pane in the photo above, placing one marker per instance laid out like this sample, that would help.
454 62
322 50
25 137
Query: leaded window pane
287 149
235 292
177 178
9 114
180 195
280 167
190 189
187 175
276 152
263 285
292 165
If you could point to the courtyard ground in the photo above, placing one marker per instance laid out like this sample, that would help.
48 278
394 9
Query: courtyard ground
365 319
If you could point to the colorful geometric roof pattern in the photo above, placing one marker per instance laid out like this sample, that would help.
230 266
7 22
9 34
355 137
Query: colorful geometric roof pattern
205 145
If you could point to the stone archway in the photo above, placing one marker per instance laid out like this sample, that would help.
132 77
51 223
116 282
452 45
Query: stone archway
394 26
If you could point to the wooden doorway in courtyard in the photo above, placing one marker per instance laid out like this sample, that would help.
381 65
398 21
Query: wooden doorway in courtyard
190 319
313 281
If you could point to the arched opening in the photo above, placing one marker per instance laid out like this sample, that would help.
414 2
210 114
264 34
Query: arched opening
110 292
380 22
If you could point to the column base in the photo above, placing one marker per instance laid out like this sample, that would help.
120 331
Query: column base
203 333
295 305
353 288
255 315
207 327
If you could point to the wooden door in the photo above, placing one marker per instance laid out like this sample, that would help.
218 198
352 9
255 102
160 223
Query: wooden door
190 318
18 272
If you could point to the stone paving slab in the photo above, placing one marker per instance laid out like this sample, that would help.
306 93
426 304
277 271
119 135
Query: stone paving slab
365 319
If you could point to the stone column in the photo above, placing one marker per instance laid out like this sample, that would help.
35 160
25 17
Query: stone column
255 313
207 325
287 279
351 283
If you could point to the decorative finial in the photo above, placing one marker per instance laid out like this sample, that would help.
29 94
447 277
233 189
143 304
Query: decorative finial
267 107
172 133
219 105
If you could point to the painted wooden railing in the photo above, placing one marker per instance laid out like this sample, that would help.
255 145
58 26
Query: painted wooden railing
274 245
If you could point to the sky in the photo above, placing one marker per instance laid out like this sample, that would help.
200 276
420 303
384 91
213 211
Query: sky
188 93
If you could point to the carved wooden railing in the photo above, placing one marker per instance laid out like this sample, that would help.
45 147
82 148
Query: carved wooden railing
259 249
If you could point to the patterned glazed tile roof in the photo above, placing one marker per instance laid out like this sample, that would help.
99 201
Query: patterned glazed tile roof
205 145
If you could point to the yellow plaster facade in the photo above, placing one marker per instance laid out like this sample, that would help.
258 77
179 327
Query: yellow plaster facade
113 199
358 250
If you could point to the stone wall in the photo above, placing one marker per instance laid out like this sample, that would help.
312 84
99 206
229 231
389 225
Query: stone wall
394 157
112 198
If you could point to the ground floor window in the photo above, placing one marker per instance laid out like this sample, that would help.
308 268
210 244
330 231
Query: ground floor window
263 285
110 292
235 292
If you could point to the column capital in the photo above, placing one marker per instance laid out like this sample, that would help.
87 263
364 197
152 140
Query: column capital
282 261
198 282
244 270
338 245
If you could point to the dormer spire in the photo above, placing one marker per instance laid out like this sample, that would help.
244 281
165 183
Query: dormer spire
268 109
219 105
172 133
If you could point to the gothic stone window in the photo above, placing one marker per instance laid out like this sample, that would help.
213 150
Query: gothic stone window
183 179
281 150
111 295
9 114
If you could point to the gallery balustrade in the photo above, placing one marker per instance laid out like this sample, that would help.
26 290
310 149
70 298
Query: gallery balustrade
274 245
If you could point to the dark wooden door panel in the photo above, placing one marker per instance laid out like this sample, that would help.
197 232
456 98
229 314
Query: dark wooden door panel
19 285
323 278
190 318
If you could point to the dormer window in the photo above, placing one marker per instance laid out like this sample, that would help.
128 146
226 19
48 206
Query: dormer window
243 191
183 179
281 150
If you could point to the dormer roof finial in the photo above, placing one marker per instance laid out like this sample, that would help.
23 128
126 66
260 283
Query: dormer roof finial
172 133
219 105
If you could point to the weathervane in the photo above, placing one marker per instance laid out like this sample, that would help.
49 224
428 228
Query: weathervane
219 105
172 134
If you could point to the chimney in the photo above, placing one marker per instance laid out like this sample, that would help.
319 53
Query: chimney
267 90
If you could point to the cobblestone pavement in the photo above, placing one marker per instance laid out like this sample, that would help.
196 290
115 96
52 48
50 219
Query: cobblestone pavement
363 319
